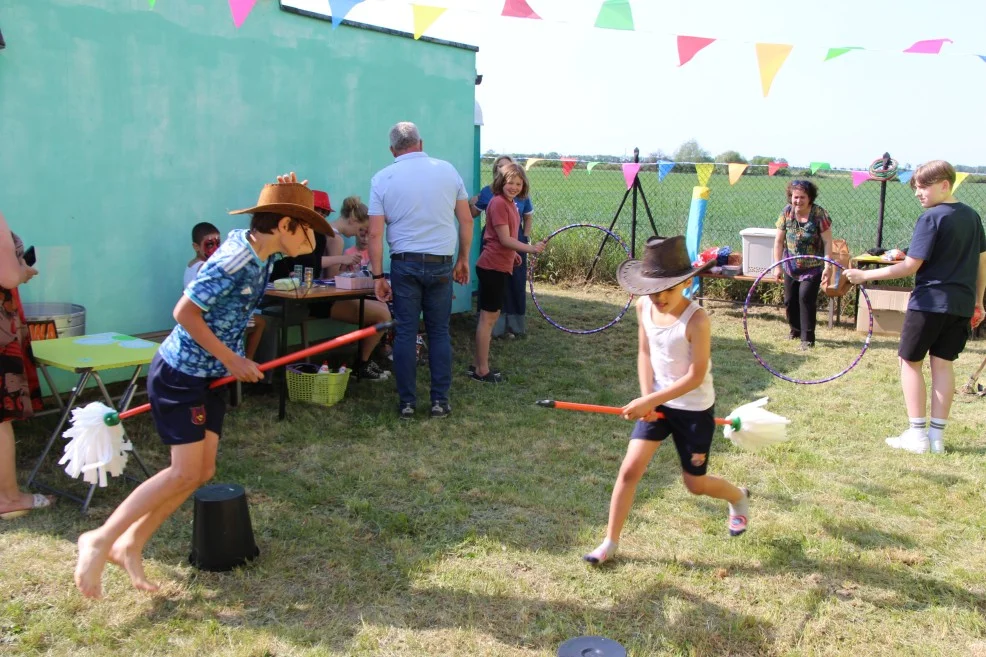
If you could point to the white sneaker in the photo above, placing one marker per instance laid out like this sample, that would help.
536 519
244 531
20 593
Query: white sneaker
938 446
913 440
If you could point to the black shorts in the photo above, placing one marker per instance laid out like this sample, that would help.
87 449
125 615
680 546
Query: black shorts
183 406
941 334
492 289
692 432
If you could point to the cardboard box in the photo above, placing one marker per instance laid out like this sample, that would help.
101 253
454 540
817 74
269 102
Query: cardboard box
354 283
758 249
889 305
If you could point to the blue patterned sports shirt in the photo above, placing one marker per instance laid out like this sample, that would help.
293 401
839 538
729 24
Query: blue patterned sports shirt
228 288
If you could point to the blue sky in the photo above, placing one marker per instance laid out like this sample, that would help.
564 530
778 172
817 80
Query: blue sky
560 84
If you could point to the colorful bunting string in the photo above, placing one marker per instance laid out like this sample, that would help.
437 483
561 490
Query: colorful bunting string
735 171
589 166
928 47
240 10
774 167
859 177
770 58
815 167
424 17
630 170
688 47
663 169
530 162
567 164
959 177
615 15
838 52
704 172
339 9
518 9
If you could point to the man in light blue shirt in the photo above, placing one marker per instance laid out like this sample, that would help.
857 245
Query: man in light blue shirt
422 203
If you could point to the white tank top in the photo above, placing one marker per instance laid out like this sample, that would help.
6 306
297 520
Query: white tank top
671 355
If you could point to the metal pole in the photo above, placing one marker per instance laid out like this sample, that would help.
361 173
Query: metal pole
883 203
633 220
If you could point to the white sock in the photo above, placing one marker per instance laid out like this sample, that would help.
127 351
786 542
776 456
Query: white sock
741 508
919 423
937 430
606 549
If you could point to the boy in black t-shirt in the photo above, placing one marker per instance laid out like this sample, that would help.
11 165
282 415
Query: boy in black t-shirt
947 257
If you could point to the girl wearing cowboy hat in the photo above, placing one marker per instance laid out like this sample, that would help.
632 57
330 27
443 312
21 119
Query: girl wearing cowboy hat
674 368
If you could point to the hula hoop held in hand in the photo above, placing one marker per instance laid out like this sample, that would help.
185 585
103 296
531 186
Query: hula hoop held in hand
530 276
749 342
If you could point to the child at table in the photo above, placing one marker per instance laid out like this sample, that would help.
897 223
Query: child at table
205 242
207 344
674 370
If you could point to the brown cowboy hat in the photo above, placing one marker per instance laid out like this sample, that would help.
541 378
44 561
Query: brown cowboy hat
291 200
665 264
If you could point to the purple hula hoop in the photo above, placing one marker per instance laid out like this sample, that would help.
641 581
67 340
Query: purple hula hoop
749 343
530 277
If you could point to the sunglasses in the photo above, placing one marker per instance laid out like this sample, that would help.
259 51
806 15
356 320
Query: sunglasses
801 184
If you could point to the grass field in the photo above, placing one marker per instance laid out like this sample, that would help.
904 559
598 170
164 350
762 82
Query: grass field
464 536
755 201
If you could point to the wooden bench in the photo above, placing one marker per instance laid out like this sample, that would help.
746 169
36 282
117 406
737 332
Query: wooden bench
835 304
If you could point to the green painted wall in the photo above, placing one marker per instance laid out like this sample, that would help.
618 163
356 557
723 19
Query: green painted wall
122 126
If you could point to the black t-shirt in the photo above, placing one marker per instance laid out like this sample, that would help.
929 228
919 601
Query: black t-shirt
285 266
949 238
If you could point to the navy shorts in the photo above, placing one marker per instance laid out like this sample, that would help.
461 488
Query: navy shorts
492 289
692 432
943 335
183 406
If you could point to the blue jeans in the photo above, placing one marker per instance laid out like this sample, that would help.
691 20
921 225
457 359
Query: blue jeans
422 287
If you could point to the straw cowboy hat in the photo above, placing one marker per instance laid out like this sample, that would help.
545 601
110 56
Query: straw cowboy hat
665 264
290 200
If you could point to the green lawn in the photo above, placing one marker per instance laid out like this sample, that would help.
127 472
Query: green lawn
755 201
464 536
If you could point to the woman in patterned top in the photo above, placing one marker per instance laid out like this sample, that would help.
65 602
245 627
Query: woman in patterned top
20 391
802 229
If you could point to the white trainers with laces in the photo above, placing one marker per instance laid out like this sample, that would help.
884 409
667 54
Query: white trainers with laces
912 440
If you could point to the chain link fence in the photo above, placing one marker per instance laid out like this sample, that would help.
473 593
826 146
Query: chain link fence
593 196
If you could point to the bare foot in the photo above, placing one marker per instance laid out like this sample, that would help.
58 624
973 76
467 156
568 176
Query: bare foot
131 560
89 569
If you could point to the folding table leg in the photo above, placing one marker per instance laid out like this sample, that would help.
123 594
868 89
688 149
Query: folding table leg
76 391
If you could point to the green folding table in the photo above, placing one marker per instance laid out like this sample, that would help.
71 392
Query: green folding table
87 356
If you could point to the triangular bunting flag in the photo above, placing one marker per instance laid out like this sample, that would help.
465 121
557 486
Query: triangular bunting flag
151 3
589 166
530 162
704 172
424 17
567 164
815 167
339 9
518 9
630 170
770 58
837 52
928 47
904 176
688 46
735 171
859 177
615 15
240 10
774 167
982 57
959 177
663 169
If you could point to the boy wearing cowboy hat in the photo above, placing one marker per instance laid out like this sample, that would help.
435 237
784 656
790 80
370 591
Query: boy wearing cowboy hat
674 368
206 344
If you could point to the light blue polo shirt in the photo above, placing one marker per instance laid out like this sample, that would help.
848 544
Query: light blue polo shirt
417 195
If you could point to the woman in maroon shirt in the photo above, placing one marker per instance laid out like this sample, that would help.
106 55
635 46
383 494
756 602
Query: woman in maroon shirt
497 261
